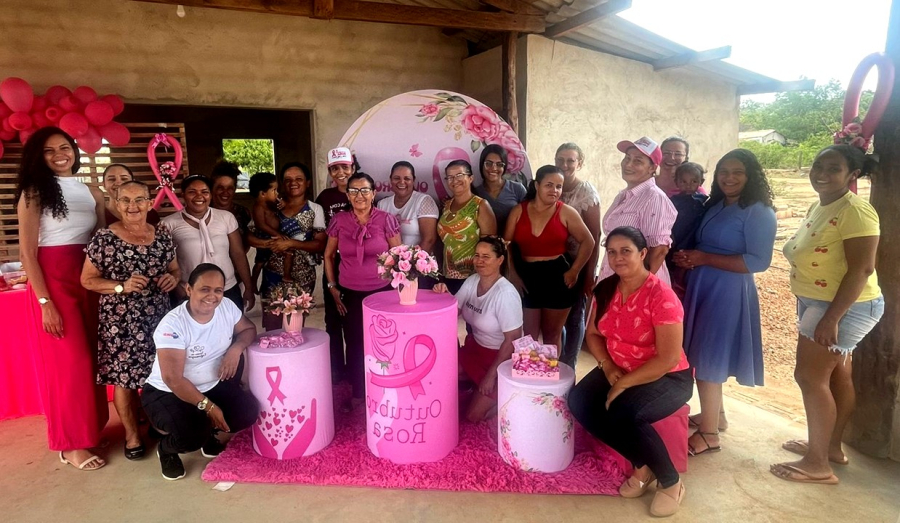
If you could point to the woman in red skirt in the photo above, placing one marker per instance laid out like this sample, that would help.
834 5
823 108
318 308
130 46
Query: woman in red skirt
57 216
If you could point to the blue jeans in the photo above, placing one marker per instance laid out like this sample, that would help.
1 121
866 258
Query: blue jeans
853 327
573 333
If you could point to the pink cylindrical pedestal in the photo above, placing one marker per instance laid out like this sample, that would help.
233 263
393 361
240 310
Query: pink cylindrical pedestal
535 427
293 387
412 399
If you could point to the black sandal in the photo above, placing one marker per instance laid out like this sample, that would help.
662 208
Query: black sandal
709 448
135 453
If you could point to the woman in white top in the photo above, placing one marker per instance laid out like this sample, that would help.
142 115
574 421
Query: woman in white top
417 212
57 216
194 388
206 235
492 309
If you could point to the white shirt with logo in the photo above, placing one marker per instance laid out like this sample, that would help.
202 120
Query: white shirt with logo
499 310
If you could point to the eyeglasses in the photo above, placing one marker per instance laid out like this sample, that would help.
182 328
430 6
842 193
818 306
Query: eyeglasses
365 191
454 177
670 154
140 200
564 161
490 165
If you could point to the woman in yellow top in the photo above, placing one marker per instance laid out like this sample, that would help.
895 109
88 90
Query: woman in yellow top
833 275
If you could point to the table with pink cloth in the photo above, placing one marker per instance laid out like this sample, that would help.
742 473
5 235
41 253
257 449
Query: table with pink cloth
412 398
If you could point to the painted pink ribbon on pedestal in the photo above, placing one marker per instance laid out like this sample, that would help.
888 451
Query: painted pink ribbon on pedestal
412 375
275 383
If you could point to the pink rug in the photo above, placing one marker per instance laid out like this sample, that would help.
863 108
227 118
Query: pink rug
474 465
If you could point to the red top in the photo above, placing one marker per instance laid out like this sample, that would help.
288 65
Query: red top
628 327
551 242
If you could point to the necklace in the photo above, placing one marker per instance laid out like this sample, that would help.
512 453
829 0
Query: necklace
138 238
451 214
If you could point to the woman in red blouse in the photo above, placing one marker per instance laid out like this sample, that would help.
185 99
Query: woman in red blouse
642 374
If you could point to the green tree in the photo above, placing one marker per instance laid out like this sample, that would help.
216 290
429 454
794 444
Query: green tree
252 156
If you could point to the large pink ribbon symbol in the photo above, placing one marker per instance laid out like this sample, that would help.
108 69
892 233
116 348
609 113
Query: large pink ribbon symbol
169 171
412 375
275 383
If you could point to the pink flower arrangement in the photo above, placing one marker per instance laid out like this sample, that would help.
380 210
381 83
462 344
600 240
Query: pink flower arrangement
288 298
851 134
403 264
481 122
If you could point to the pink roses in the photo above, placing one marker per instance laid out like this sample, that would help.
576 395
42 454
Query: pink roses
481 122
384 334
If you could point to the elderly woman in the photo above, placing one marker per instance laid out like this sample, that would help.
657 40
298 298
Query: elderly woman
360 235
642 375
132 266
549 276
224 178
416 212
839 301
583 197
465 219
194 389
722 334
115 175
502 195
491 308
642 205
206 235
303 222
57 216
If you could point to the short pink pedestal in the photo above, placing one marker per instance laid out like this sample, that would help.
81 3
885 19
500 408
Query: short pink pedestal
674 432
293 387
412 399
535 427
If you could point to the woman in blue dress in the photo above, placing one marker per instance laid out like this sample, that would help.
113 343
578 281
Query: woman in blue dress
722 335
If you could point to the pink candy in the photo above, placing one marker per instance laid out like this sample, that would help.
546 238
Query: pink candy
285 340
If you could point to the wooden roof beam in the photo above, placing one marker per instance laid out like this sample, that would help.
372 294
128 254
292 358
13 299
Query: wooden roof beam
586 18
692 57
776 87
515 6
378 12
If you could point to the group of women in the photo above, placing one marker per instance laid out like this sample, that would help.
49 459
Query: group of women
649 346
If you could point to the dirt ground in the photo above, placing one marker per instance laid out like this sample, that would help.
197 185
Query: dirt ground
793 196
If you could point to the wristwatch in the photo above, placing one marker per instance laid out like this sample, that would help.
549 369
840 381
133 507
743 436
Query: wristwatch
44 300
119 289
204 404
331 285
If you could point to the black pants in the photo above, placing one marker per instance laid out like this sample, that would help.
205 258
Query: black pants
189 428
234 294
333 321
626 426
353 333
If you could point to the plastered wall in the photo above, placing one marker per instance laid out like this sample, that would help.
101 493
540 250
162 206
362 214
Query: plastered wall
144 52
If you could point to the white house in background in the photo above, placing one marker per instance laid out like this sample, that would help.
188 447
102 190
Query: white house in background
765 136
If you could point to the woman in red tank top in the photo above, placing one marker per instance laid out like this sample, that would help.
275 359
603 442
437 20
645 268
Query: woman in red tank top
538 229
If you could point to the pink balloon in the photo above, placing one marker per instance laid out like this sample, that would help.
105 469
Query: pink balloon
7 135
90 142
98 113
70 104
74 124
4 111
53 113
39 120
56 93
17 94
20 121
40 103
115 101
115 133
25 135
84 94
6 126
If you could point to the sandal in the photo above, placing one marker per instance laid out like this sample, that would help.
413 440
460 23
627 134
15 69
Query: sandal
709 448
694 423
801 447
84 463
135 452
790 472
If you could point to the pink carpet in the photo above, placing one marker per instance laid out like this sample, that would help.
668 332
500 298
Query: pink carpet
474 465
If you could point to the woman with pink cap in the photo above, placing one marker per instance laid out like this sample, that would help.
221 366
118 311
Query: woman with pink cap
642 205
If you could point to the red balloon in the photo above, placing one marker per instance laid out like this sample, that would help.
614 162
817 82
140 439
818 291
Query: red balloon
39 120
1 149
40 103
115 133
6 126
4 111
20 121
98 113
53 113
25 135
7 135
56 93
84 94
115 101
70 104
17 94
90 142
74 124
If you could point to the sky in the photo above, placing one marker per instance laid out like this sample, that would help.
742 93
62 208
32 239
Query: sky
783 39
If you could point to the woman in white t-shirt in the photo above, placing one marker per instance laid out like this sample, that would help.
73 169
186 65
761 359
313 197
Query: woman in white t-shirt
417 212
194 389
492 309
206 235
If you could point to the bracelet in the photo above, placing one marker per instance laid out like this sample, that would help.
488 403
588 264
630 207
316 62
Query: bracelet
210 408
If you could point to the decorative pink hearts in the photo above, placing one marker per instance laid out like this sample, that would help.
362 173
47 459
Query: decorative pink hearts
277 421
264 414
288 428
293 414
268 426
274 442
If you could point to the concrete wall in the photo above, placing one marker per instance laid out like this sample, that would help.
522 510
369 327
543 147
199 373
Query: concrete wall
596 100
144 52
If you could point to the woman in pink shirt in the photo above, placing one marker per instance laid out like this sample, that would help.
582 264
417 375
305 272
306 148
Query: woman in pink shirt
642 374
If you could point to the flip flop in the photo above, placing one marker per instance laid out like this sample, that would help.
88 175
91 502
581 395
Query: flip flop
84 463
135 453
801 447
709 448
796 474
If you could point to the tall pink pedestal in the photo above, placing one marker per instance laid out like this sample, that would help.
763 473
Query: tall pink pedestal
535 430
293 388
412 399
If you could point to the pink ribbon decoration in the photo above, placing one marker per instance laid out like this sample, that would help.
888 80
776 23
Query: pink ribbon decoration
412 375
447 154
167 172
275 383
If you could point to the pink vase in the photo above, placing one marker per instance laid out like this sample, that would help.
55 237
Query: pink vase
408 293
292 322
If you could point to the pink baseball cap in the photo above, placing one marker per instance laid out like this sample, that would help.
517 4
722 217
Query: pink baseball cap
648 147
340 155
